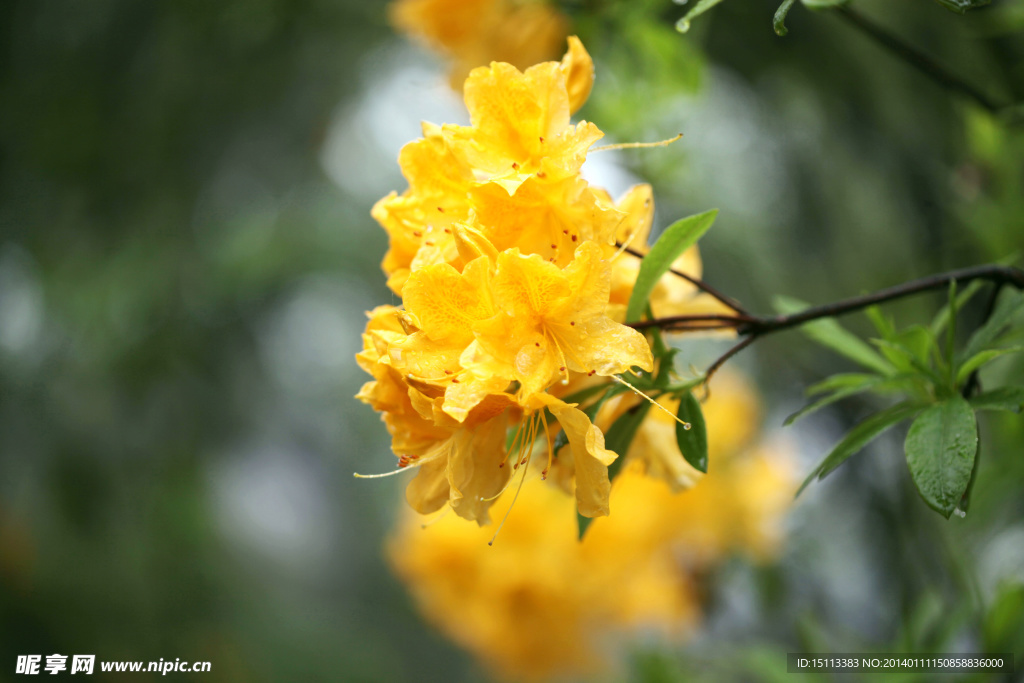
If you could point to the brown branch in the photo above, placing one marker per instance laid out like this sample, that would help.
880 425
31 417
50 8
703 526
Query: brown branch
697 282
753 327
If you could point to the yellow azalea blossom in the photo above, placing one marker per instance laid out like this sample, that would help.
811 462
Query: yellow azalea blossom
476 32
520 121
544 216
541 604
419 221
552 320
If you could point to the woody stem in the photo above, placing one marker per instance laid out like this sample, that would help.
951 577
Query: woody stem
753 327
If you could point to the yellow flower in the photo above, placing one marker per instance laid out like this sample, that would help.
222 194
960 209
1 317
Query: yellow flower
552 320
541 604
419 221
477 32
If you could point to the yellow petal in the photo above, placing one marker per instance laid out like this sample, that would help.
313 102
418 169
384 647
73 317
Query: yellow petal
447 302
475 475
429 490
590 456
578 68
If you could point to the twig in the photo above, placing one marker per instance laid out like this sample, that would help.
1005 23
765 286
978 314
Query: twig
700 284
753 327
911 55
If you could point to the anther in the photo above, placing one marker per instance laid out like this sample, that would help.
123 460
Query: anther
554 246
515 166
542 174
572 322
574 238
561 369
418 234
455 380
447 231
542 138
441 209
447 372
537 344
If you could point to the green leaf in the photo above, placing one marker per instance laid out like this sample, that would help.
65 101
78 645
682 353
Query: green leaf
980 359
907 361
908 350
693 442
962 6
620 435
940 448
941 318
822 4
840 381
1010 399
860 436
883 323
870 382
780 17
683 25
828 332
676 239
1010 304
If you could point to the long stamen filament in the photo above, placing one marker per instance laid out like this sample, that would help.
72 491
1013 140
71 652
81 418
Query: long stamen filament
381 476
686 425
522 480
636 145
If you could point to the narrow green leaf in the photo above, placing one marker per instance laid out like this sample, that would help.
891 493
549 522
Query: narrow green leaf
909 350
950 358
980 359
940 448
620 435
941 318
676 239
860 436
840 381
962 6
907 361
693 442
822 4
683 25
1010 304
1010 399
828 332
780 17
872 382
883 323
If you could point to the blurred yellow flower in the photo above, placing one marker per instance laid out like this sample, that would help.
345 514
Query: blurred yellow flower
476 32
541 604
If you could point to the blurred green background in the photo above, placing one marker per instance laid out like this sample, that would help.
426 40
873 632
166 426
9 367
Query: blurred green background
186 254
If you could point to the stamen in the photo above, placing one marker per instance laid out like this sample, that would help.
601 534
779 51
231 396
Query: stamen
551 452
522 480
380 476
636 145
437 519
686 425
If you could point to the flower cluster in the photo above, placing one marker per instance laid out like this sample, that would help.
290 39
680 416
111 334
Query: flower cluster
475 32
513 290
542 604
501 253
